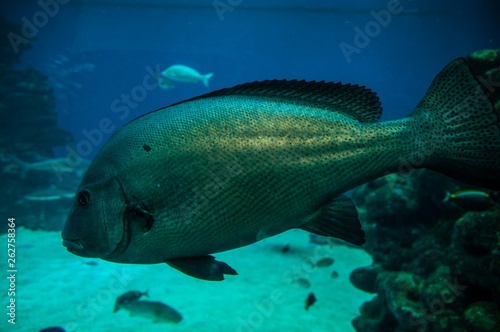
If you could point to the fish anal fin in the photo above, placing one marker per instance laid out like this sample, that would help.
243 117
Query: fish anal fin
339 219
202 267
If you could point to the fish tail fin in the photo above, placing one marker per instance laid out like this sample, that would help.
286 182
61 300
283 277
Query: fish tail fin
206 78
459 128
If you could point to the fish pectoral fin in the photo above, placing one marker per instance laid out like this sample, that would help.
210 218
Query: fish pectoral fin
338 219
202 267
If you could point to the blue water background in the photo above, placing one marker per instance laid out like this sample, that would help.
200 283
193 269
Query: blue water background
250 40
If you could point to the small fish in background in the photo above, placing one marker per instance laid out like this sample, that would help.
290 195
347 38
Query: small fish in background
324 262
318 239
334 275
311 299
50 194
58 165
53 329
284 249
48 165
471 199
158 312
127 298
92 263
303 282
181 73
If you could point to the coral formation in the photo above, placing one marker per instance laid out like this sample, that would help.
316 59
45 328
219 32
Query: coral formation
436 267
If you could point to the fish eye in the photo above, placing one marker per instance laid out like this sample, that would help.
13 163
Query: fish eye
83 197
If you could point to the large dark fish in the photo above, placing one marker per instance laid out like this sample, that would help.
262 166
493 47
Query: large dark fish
235 166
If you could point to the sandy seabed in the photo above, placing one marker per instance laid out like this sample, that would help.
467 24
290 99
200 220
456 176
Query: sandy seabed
56 288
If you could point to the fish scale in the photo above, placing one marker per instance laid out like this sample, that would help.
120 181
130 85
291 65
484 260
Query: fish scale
237 165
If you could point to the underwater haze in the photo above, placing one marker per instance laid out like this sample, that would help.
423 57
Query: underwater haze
76 71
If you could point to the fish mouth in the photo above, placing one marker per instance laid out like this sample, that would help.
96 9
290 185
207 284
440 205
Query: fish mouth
73 246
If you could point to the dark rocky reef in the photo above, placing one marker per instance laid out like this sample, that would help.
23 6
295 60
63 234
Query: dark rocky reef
436 267
29 132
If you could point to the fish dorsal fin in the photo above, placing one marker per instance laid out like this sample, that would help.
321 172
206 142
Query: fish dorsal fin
353 100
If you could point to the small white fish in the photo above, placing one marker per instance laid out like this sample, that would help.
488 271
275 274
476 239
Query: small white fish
181 73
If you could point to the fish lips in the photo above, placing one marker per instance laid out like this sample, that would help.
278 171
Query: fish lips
73 246
77 248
